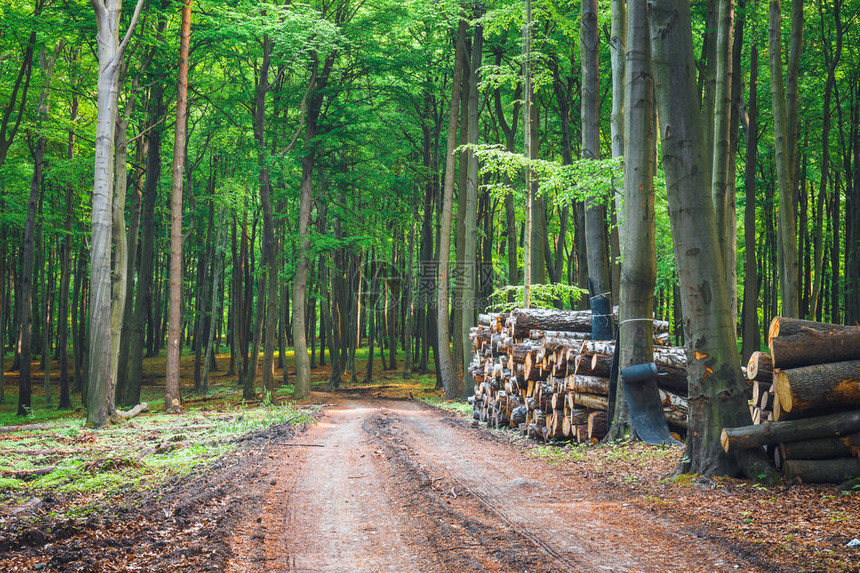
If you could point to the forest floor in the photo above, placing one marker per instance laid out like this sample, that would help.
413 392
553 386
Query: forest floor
375 478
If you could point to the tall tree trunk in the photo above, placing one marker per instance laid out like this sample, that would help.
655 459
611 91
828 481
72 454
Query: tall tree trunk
639 265
731 180
409 298
708 78
119 293
715 383
131 248
45 287
617 51
469 280
528 125
270 257
783 139
174 335
721 120
100 393
77 327
300 282
832 62
751 331
4 298
510 133
217 264
595 212
143 296
459 268
27 248
447 370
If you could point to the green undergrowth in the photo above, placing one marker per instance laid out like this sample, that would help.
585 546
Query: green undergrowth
612 452
463 409
87 465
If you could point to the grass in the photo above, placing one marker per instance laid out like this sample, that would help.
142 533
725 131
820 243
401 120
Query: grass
92 465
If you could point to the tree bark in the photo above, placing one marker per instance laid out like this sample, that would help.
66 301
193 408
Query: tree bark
595 210
721 130
300 282
783 138
746 437
796 342
751 331
469 280
639 265
174 335
143 296
834 385
716 390
453 385
217 264
27 248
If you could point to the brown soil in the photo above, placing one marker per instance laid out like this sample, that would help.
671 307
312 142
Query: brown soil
394 485
399 487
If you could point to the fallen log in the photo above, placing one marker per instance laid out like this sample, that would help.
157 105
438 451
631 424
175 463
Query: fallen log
822 471
794 342
571 337
518 352
27 474
523 320
597 425
760 367
30 427
136 411
835 384
578 415
822 448
588 384
761 394
593 401
745 437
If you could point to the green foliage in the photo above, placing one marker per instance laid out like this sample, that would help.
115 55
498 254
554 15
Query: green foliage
463 409
584 179
542 296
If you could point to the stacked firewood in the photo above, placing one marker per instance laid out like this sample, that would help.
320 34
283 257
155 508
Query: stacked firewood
807 389
538 371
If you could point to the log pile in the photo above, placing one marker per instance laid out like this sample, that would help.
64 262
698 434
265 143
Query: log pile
538 371
805 404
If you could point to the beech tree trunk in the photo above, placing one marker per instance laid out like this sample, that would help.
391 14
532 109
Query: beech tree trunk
447 370
100 393
469 280
174 335
143 296
639 265
783 140
751 331
595 211
716 390
27 248
721 133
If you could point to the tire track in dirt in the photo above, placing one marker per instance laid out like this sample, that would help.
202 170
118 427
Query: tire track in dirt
328 508
574 530
400 487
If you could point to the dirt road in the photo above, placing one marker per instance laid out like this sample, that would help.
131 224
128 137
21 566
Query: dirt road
397 486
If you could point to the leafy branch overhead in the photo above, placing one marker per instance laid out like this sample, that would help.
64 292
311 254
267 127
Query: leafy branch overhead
584 179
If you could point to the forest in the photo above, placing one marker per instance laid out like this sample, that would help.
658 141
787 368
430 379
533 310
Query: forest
234 181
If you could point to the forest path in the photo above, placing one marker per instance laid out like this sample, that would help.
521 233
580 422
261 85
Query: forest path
381 485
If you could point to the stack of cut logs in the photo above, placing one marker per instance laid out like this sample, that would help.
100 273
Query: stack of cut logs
538 371
808 390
